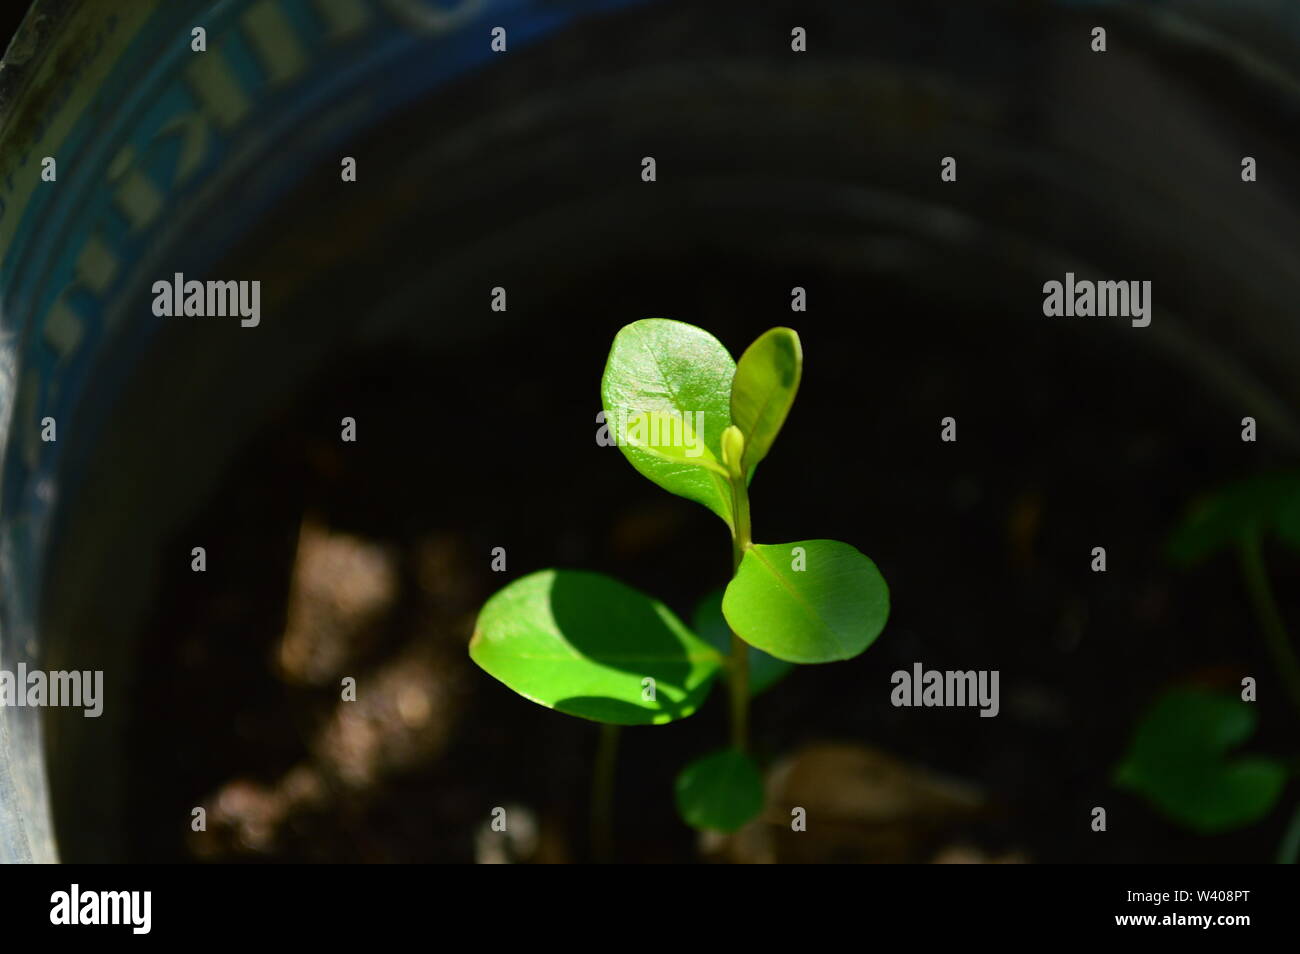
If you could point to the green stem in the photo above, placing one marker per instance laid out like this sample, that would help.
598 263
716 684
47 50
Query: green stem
602 795
1289 849
738 663
1251 553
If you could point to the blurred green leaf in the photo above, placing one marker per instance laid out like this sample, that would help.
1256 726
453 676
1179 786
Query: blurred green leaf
821 602
672 369
585 644
1265 504
1178 760
767 379
721 791
710 625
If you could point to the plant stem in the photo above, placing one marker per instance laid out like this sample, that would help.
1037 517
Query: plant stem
738 663
1251 553
602 795
1288 851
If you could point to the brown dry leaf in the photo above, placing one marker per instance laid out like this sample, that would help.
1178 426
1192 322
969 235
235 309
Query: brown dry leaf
860 805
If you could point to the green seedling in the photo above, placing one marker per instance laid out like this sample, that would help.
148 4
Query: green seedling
1240 518
1179 758
697 423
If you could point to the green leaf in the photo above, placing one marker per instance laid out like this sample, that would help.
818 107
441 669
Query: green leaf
1265 504
1178 760
721 791
672 369
583 643
825 603
767 379
710 625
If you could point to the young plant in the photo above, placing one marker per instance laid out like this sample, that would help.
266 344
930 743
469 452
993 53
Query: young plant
697 423
1179 758
1239 518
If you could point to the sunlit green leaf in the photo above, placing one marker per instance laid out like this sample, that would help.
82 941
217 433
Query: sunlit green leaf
674 370
585 644
767 379
809 601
